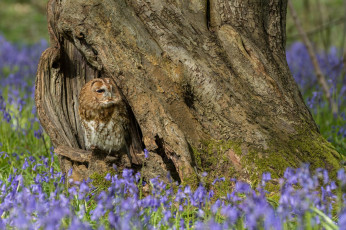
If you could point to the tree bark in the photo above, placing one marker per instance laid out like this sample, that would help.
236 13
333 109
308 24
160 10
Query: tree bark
207 84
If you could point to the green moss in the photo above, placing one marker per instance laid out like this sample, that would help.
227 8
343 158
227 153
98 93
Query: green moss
191 180
306 147
273 189
100 182
210 157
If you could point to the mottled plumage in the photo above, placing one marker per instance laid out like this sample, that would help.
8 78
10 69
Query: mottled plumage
103 115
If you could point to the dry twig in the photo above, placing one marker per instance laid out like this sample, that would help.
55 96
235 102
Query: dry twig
326 25
320 77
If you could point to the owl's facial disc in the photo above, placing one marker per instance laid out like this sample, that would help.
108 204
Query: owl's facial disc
104 94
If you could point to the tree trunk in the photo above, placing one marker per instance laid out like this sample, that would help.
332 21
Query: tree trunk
206 82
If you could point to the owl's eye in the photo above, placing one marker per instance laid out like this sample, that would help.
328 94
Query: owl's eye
100 90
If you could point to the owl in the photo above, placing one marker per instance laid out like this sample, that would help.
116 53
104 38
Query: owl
103 115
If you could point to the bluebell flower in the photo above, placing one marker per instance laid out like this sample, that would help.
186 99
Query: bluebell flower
167 214
199 196
180 196
146 153
181 224
113 219
187 190
215 207
26 164
69 172
21 221
137 177
217 179
108 177
342 131
97 212
83 189
231 213
242 187
127 174
199 225
32 159
211 194
214 225
342 220
78 224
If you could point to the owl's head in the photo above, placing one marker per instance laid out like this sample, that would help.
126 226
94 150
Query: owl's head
101 93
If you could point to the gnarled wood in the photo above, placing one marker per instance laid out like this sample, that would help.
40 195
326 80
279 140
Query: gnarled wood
203 80
78 155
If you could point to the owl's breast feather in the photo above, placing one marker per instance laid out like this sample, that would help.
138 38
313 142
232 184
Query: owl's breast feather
108 136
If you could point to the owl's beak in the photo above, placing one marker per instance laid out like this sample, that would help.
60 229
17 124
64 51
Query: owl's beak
109 100
108 95
108 103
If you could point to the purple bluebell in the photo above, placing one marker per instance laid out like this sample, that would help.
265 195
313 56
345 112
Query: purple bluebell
146 153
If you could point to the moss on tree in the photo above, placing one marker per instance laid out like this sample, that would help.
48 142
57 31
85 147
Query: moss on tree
213 157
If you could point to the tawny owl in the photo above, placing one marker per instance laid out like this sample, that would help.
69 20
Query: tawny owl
103 115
